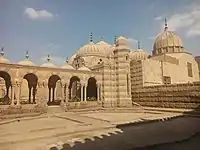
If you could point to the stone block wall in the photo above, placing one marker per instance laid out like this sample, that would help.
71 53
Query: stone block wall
168 96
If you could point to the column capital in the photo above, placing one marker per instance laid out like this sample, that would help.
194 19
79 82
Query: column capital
13 84
39 84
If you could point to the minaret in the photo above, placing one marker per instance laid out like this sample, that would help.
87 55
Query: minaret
122 63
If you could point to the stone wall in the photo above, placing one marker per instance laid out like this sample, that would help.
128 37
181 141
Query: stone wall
168 96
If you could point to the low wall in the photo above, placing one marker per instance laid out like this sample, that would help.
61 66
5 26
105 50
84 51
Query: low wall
168 96
81 105
26 108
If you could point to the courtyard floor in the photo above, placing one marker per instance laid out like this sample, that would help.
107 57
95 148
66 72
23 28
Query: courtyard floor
95 130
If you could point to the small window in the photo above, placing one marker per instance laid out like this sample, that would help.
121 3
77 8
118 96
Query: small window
189 67
126 57
166 80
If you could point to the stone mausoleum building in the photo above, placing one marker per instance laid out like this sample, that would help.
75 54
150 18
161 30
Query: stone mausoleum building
98 74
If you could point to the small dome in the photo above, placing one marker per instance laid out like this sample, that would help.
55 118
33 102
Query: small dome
167 41
67 66
138 55
4 60
83 68
26 62
122 41
48 64
89 49
71 59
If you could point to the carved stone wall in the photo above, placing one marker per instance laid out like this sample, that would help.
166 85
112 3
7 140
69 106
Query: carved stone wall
168 96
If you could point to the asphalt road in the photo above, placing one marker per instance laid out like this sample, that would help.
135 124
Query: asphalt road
150 136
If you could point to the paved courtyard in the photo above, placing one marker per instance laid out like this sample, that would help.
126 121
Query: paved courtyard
56 130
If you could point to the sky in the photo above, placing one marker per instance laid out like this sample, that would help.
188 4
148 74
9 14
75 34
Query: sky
61 27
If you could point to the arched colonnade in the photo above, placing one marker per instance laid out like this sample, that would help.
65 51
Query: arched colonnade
31 89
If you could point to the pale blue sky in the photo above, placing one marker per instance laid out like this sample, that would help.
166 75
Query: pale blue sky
61 27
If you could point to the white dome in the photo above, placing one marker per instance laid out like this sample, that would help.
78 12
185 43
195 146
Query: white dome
122 41
4 60
83 68
138 55
48 64
89 49
26 62
67 66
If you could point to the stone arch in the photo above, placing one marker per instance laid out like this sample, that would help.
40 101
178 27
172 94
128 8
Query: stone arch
32 81
5 86
91 89
52 85
74 89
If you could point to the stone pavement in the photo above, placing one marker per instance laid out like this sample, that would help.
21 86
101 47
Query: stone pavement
46 131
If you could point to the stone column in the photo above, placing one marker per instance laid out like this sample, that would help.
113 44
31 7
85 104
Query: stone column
46 91
62 93
39 93
67 94
85 93
97 92
18 92
13 94
81 92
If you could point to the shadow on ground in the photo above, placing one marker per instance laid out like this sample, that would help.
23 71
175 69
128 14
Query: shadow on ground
173 134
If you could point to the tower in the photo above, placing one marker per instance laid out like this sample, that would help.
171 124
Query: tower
122 68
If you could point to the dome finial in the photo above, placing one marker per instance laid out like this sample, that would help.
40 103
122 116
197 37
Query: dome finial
48 58
101 37
27 55
91 37
2 52
138 44
166 26
115 39
67 60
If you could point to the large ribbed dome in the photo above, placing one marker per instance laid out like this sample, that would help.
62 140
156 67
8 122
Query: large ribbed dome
167 42
139 54
89 49
103 47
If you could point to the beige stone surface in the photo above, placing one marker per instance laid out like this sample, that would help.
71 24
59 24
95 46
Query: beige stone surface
51 128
